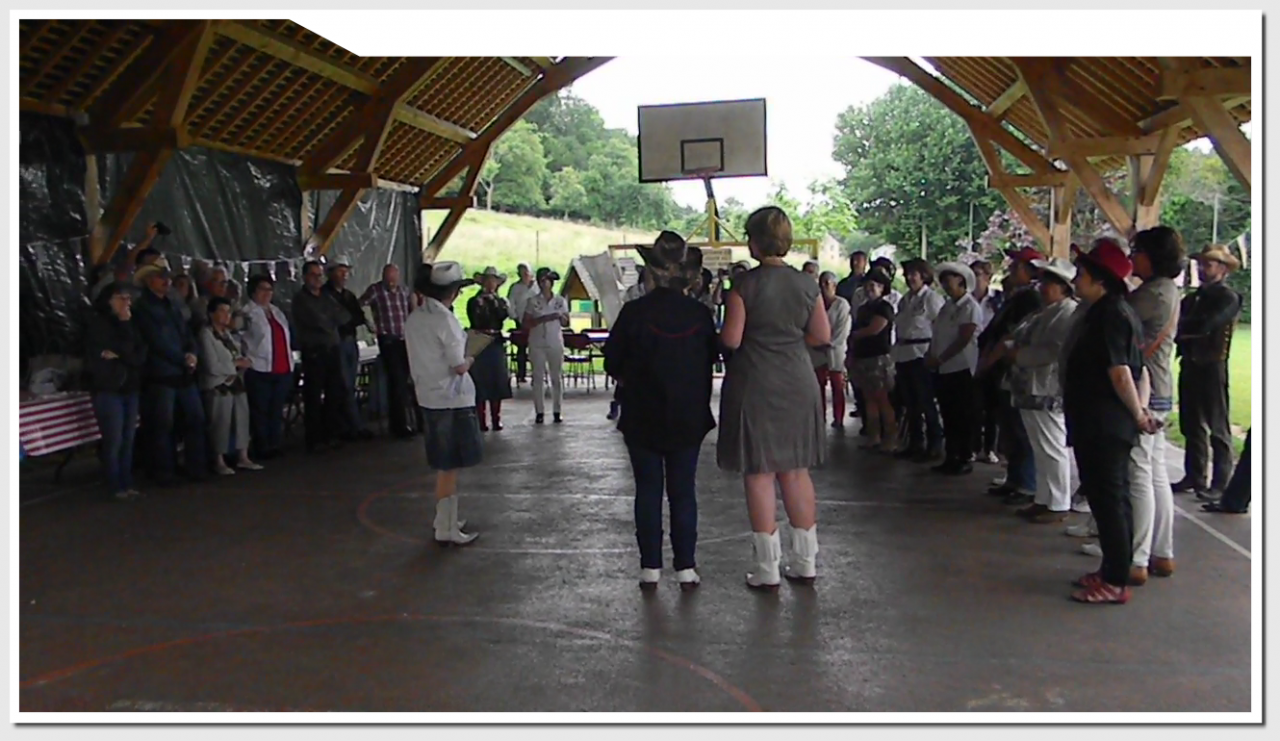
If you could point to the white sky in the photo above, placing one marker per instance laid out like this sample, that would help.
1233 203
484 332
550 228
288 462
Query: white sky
801 110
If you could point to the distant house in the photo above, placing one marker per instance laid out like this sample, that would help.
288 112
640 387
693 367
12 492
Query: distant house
594 285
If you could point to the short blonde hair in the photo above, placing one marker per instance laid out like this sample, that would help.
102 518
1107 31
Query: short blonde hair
770 229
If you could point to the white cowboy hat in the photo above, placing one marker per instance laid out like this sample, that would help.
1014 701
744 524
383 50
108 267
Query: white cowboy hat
960 269
1059 266
449 274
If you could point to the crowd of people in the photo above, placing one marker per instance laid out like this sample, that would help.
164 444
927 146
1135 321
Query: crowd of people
1066 373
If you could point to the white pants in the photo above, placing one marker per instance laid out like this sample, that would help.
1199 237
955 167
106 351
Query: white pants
1152 499
224 411
1048 434
547 361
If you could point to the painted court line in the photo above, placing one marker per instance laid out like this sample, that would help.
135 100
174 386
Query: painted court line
1214 532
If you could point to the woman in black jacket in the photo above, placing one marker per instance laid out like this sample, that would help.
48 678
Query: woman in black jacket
661 350
113 362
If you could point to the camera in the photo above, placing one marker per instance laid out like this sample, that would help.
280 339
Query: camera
162 230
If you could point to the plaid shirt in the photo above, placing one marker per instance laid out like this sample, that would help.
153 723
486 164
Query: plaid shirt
390 307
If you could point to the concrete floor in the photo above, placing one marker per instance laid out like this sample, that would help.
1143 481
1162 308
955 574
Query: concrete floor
310 586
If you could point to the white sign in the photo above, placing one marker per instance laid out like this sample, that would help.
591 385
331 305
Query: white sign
717 258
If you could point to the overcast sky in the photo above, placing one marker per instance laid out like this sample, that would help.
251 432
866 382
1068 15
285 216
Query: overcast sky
801 111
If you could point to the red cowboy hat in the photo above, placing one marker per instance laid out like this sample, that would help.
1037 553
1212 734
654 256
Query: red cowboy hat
1026 254
1108 255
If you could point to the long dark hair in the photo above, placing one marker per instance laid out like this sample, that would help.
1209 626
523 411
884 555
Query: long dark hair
1114 285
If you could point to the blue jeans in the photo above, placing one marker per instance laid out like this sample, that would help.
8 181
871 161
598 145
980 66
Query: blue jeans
161 404
677 471
1022 460
268 393
1236 496
349 353
117 420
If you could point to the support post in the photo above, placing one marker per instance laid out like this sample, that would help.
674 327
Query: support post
1064 202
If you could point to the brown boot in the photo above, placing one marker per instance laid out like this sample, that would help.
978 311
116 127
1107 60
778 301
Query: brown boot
1137 576
1160 566
1048 517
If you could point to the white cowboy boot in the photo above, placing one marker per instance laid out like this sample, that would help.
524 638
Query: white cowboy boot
448 529
649 579
767 550
688 579
802 561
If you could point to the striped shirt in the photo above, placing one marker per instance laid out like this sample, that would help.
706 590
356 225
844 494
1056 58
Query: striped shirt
390 308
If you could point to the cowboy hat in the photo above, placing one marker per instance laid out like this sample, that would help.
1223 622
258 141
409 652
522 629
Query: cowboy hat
147 272
1025 254
960 269
491 272
447 275
669 258
547 273
1220 254
1059 267
1108 255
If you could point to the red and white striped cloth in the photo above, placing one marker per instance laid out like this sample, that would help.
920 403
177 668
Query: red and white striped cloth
54 423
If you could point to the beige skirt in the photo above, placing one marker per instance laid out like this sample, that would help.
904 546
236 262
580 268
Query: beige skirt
872 374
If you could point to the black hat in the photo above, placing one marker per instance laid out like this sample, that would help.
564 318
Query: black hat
547 273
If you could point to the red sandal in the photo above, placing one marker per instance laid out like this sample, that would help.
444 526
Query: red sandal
1102 594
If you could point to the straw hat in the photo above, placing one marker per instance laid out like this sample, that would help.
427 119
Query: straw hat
1219 254
147 272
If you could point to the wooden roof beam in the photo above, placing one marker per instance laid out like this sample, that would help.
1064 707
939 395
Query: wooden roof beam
338 181
1212 117
1045 82
1106 146
373 120
447 203
298 55
1000 106
1179 116
322 238
979 121
133 139
1159 166
1038 180
431 124
134 88
545 63
560 76
1207 82
1027 215
518 66
465 200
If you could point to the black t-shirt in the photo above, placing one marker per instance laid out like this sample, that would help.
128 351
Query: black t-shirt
877 344
1108 338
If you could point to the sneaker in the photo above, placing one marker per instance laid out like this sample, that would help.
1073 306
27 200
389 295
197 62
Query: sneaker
1102 594
1083 530
1091 549
1081 506
248 466
989 457
1048 517
649 579
1000 480
1186 486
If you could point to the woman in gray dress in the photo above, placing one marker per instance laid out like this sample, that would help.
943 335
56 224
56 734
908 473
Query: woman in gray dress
771 426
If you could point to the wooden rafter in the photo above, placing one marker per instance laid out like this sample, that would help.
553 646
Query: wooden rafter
211 96
1179 116
176 83
979 121
1037 180
545 63
136 86
1045 82
1106 146
52 60
267 88
282 113
466 198
518 66
322 238
1229 141
297 54
373 120
1000 106
438 126
1145 215
447 203
561 75
1027 215
1207 82
337 181
1064 201
1159 166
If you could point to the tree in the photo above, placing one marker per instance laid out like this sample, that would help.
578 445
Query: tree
568 196
517 169
909 164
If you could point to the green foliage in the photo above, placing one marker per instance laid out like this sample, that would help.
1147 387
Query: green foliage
568 195
910 164
514 176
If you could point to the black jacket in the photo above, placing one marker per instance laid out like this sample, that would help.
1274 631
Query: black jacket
122 375
168 337
1206 322
351 303
662 348
318 320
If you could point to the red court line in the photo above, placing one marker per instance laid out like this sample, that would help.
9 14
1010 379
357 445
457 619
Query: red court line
740 696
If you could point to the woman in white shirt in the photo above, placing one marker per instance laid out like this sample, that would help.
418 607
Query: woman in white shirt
953 355
269 379
225 401
438 362
830 361
545 316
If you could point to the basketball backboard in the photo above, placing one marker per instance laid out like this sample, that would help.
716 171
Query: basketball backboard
691 141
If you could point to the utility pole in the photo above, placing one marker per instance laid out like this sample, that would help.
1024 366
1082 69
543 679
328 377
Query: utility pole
971 226
924 242
1215 218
